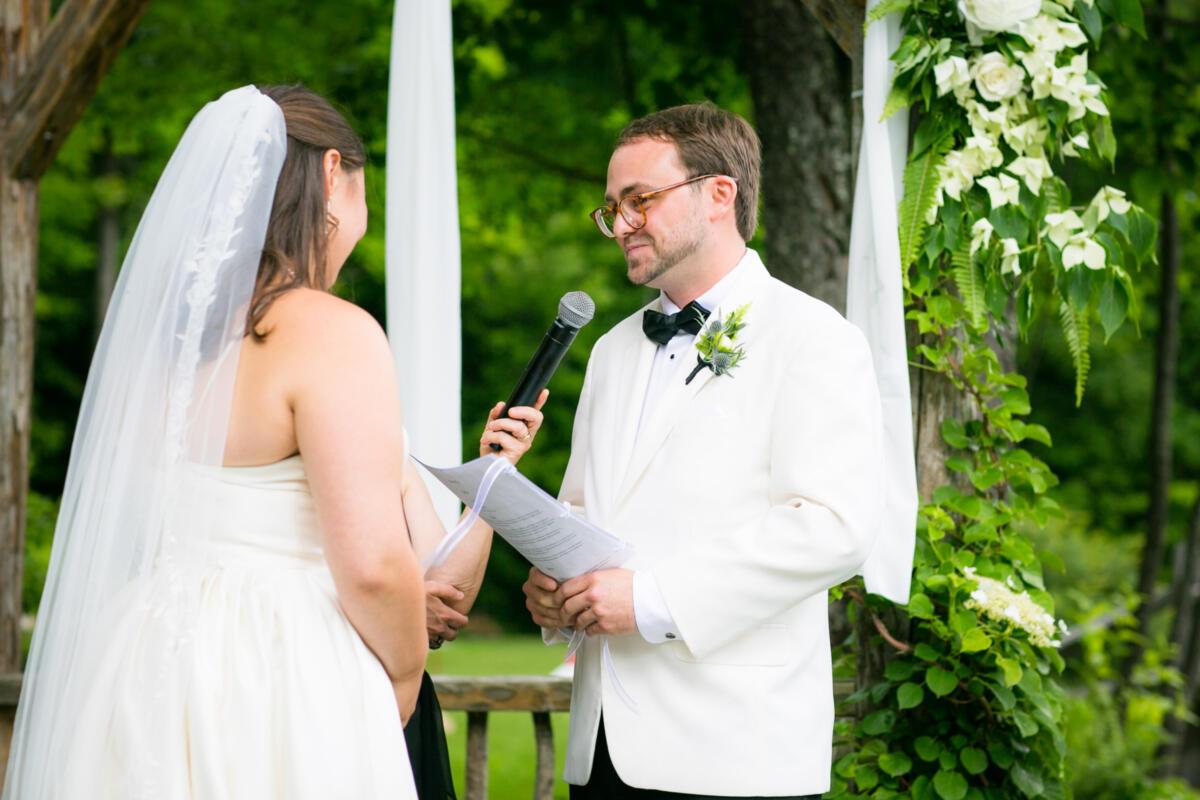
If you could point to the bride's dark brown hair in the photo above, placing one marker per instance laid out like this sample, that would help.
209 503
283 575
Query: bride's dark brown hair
300 226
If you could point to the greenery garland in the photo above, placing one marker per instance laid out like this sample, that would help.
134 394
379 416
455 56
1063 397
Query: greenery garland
970 706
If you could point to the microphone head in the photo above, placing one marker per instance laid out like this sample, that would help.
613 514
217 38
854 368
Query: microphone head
576 309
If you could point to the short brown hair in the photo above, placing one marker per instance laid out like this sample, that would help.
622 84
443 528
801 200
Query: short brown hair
709 139
298 231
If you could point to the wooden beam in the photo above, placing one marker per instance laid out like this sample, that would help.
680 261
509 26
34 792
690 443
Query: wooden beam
503 693
844 21
22 23
50 96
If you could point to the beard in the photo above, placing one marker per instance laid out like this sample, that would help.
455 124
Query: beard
662 257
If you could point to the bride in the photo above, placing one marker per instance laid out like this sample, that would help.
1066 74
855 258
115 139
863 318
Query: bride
235 604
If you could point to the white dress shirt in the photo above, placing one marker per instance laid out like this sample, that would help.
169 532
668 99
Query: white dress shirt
654 621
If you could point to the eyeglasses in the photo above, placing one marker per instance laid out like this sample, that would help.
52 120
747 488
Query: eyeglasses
632 207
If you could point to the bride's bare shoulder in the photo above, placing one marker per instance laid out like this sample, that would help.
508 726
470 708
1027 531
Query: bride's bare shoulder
322 320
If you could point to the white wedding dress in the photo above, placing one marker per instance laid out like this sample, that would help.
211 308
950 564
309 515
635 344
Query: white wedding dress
229 670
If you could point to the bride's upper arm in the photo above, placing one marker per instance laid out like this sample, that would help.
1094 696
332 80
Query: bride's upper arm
346 406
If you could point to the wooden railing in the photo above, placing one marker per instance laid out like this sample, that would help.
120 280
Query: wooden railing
538 695
477 696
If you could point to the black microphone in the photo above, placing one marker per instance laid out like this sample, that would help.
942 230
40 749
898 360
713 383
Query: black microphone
574 311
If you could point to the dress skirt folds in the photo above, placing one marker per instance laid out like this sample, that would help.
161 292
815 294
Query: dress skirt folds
229 671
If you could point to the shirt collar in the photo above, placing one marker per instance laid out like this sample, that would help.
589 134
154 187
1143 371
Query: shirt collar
711 298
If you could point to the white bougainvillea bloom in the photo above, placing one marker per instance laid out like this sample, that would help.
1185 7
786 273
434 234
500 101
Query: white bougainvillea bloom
1060 227
1001 604
952 74
1010 257
1109 199
1002 189
998 16
995 78
988 122
1083 249
1079 140
981 235
1033 170
982 153
954 175
1027 137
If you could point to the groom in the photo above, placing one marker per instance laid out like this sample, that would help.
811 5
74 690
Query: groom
741 461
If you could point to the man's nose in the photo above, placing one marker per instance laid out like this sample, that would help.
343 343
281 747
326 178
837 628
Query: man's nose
621 227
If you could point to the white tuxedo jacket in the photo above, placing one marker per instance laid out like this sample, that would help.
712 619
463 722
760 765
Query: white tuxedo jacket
748 495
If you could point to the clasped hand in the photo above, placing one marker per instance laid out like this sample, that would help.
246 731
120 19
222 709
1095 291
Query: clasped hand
597 603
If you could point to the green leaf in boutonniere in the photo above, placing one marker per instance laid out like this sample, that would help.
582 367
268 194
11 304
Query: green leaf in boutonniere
715 345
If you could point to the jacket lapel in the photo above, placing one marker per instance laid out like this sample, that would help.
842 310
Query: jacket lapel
635 359
661 419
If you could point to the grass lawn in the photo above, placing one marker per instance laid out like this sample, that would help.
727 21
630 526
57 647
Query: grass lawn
511 751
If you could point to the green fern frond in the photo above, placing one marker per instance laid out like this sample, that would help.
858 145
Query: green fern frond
920 193
1075 331
968 277
883 9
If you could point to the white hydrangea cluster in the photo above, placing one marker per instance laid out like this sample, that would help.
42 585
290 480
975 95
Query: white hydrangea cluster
997 95
1002 603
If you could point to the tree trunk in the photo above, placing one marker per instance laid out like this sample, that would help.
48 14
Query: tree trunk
18 267
1166 358
801 83
1186 636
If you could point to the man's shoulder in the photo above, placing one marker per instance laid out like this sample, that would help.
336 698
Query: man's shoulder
803 316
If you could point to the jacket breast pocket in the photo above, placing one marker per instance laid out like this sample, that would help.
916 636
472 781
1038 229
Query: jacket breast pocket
762 646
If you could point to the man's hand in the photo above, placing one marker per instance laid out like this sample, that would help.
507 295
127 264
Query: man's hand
541 600
600 602
441 621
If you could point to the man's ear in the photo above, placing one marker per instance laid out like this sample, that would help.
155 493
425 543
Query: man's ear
722 193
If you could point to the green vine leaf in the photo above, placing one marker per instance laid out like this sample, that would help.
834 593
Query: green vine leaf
1075 331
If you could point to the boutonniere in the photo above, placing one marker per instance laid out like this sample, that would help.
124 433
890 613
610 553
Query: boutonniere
716 348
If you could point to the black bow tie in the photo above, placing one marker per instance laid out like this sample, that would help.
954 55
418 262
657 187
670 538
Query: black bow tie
661 328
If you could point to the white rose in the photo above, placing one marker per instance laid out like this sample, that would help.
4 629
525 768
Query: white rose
995 78
998 15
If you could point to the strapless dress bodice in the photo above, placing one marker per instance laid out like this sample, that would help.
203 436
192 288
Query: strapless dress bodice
261 512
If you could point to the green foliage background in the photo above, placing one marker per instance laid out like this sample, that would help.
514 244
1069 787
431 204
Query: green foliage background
542 89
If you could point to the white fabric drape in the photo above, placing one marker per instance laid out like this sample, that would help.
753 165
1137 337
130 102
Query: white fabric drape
423 261
875 303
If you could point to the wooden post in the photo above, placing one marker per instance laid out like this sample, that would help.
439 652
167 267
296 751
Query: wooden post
543 787
22 25
477 758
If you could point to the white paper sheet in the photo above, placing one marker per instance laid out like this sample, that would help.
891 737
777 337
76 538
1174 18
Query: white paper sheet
561 544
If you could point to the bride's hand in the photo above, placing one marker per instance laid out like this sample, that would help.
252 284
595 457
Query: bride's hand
514 432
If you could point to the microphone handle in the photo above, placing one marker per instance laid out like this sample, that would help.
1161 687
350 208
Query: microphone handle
539 369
